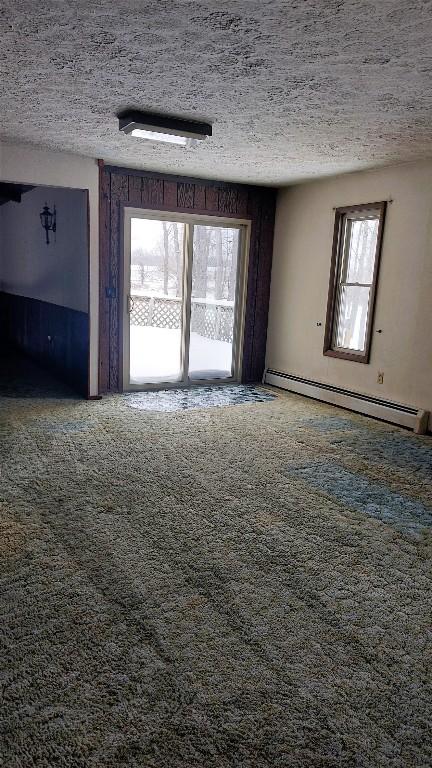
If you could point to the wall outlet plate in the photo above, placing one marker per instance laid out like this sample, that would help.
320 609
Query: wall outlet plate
380 377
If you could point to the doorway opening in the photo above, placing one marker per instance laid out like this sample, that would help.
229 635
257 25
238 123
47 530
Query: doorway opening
44 290
184 294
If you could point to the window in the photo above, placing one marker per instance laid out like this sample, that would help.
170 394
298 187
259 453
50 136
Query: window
353 279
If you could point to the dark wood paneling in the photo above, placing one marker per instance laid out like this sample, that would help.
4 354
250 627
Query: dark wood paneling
152 192
262 287
200 197
156 191
228 201
104 279
57 337
185 195
135 186
254 210
170 195
119 198
212 199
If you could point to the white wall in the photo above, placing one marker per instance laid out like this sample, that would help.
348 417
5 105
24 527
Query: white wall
58 272
38 166
300 278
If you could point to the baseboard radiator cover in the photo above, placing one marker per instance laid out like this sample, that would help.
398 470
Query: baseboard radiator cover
403 415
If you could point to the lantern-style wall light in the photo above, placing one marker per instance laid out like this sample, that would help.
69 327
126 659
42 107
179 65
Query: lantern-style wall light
48 220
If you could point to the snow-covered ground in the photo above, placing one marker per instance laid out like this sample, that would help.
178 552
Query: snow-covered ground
155 356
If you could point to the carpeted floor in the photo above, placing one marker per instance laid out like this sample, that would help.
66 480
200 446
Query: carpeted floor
234 587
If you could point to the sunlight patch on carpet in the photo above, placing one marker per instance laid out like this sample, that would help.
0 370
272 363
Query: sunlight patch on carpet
197 397
356 492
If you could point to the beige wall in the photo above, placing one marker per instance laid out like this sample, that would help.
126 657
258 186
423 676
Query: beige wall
300 276
38 166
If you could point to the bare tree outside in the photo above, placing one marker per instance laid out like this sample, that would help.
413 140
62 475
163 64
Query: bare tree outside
219 276
178 258
158 267
165 257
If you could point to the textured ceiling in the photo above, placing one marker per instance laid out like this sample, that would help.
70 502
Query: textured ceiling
294 89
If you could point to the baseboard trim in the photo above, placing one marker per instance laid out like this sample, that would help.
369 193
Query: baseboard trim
386 410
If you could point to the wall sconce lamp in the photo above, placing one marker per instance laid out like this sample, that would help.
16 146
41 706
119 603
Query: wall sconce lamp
48 220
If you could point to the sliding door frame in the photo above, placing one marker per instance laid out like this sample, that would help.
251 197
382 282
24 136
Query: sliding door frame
189 220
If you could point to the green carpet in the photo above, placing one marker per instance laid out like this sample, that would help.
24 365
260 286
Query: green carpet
232 587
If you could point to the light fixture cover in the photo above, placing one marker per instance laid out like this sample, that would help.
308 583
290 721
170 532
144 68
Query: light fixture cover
161 128
169 138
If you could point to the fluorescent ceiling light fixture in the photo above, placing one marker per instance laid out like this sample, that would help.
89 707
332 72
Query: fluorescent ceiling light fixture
170 138
172 130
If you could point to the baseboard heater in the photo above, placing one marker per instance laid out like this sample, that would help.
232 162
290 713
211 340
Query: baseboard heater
404 415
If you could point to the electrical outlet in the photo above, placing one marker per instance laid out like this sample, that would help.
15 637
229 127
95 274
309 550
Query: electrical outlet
380 377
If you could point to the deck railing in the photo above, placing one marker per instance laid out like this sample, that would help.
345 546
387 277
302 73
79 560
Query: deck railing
211 318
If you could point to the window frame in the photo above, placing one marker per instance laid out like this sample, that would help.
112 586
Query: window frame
337 265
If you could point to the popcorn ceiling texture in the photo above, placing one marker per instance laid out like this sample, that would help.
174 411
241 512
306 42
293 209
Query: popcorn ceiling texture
294 89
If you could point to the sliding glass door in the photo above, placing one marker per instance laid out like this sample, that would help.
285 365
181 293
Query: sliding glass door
154 302
184 293
213 301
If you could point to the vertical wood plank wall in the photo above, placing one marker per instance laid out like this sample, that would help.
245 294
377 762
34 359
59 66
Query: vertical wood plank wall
54 336
122 187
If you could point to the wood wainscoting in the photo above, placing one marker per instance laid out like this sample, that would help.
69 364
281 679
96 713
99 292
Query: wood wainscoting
56 337
122 187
